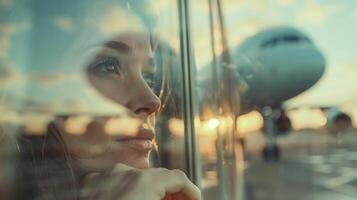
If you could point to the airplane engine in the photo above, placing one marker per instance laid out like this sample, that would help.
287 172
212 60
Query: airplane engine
338 121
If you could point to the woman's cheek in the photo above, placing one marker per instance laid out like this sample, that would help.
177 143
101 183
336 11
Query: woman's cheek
130 157
87 148
113 88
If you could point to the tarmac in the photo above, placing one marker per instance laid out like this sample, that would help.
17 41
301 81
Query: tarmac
315 165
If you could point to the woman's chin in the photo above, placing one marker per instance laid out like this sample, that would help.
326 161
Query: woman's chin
104 164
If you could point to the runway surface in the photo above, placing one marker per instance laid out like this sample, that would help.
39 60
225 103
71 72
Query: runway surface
314 165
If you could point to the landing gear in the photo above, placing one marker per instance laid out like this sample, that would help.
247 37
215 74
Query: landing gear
271 151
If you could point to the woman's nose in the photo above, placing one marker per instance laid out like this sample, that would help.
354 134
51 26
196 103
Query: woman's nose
144 102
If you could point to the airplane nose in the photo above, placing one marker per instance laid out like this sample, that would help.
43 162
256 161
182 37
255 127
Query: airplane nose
308 66
296 68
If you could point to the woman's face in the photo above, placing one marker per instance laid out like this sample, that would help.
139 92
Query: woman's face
122 71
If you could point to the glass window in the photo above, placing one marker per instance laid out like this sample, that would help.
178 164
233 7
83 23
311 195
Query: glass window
250 99
86 85
217 103
298 115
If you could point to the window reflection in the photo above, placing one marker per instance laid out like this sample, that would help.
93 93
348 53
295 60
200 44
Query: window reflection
116 72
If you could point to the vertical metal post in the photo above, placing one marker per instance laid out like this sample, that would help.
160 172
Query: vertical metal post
215 87
188 83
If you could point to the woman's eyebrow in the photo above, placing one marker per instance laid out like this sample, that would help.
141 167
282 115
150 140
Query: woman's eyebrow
119 46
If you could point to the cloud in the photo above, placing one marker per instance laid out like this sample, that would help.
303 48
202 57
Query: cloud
75 104
46 79
315 13
19 104
354 14
118 20
7 73
232 5
7 3
27 104
34 113
64 23
7 30
159 6
285 2
8 116
51 79
253 25
237 31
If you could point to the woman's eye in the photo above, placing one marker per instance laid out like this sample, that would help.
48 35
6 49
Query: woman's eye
107 66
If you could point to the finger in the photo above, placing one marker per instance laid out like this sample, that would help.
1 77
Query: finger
91 176
123 167
175 181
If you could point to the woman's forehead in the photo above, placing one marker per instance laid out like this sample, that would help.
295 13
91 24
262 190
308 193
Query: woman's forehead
136 41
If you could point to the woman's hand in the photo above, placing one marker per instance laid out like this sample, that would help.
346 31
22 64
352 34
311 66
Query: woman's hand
127 183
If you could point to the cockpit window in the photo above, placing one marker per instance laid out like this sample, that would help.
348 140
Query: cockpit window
292 38
284 38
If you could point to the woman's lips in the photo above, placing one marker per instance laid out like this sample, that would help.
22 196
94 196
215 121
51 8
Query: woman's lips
141 142
138 144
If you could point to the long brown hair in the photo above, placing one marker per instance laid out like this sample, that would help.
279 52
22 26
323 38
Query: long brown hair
44 167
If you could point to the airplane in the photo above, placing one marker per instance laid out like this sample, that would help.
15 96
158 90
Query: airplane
277 64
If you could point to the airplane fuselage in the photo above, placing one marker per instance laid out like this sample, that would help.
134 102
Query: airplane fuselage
277 64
